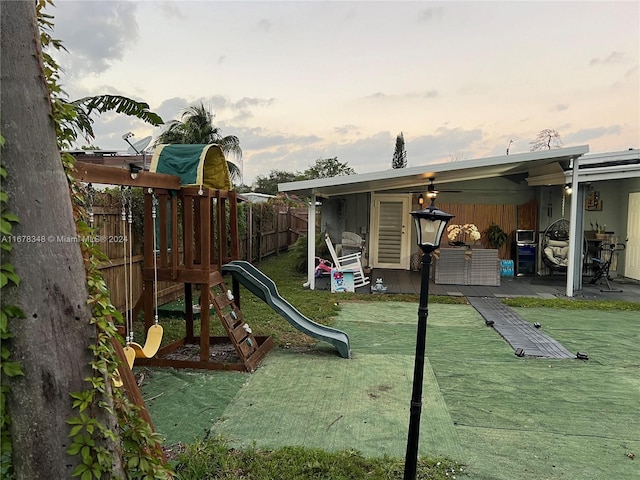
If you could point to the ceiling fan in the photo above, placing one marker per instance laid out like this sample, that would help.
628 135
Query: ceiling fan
432 192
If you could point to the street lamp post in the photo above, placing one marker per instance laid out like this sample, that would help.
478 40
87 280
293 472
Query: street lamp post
430 226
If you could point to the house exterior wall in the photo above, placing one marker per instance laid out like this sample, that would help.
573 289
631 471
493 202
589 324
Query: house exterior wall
348 213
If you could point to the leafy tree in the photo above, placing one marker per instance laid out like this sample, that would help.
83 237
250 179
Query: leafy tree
269 184
196 126
399 159
327 168
545 140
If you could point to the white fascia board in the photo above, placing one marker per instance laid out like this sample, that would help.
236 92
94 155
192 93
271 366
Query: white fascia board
616 172
597 158
430 170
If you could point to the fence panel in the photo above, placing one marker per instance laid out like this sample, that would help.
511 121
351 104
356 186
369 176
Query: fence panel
269 231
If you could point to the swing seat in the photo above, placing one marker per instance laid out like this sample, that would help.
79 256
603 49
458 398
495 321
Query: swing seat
151 344
130 355
117 381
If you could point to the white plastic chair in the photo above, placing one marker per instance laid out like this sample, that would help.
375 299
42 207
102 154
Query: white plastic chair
351 262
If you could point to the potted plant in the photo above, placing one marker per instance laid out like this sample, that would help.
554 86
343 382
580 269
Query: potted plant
496 237
459 235
600 231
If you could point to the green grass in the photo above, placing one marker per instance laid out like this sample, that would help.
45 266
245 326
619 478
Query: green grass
320 306
572 304
495 438
213 459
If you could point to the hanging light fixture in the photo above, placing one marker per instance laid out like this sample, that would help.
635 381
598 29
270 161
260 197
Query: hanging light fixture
421 200
432 191
567 189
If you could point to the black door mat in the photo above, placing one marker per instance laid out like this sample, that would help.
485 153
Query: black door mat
518 333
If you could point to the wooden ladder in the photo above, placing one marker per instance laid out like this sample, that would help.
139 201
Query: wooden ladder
238 331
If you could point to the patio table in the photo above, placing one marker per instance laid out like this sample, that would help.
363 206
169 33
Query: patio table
462 266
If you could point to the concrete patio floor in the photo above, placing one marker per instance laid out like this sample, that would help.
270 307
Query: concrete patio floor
403 281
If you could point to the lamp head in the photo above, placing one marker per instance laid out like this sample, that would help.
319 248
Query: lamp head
431 224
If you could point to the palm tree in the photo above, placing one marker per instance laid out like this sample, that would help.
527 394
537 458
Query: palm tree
196 126
78 121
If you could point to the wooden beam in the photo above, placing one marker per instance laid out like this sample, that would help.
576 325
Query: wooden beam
91 172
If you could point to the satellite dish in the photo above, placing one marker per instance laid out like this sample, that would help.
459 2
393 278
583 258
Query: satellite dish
139 146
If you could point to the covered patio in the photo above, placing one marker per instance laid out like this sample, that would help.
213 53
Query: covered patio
519 192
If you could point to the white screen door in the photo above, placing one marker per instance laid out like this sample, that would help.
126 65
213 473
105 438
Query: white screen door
391 227
632 255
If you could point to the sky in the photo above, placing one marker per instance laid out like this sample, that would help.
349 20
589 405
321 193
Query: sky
298 81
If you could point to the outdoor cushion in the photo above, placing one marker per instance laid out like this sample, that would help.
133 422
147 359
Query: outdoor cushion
557 255
557 243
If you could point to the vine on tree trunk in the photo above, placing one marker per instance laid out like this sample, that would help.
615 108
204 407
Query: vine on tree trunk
139 447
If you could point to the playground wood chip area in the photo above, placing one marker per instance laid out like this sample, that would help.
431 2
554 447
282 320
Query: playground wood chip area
503 416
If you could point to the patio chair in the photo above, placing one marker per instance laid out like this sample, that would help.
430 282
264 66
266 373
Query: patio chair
555 246
352 262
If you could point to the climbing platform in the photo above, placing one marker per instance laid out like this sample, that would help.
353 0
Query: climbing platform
518 333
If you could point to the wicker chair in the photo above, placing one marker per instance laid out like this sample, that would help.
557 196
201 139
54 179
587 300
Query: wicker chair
555 246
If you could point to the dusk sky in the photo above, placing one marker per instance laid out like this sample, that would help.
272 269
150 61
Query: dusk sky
301 80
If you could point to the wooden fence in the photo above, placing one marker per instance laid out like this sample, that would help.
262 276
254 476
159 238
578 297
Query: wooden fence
269 231
122 271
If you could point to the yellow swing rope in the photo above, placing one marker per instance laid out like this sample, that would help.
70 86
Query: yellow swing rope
151 346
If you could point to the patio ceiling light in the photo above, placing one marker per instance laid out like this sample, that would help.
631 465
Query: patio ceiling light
567 189
432 192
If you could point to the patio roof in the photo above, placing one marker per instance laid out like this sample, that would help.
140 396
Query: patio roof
520 164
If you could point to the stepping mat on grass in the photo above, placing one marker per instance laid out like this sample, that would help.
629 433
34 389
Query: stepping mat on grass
518 332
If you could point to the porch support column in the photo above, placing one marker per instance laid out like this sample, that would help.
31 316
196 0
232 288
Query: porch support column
575 250
311 243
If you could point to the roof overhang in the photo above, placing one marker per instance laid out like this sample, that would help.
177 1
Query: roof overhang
592 168
394 179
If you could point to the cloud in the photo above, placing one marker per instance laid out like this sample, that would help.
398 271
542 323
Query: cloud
586 135
257 138
96 34
171 10
346 129
404 96
246 102
264 25
428 14
368 154
444 143
614 57
560 107
172 108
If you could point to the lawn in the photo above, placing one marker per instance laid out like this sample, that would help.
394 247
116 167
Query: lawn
501 416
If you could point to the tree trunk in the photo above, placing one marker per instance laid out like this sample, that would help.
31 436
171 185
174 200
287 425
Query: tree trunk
52 341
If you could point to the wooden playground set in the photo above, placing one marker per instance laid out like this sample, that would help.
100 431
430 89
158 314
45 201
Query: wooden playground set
190 231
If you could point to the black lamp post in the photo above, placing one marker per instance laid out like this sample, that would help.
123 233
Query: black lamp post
430 226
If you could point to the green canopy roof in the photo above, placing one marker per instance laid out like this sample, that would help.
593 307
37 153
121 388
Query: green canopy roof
195 164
